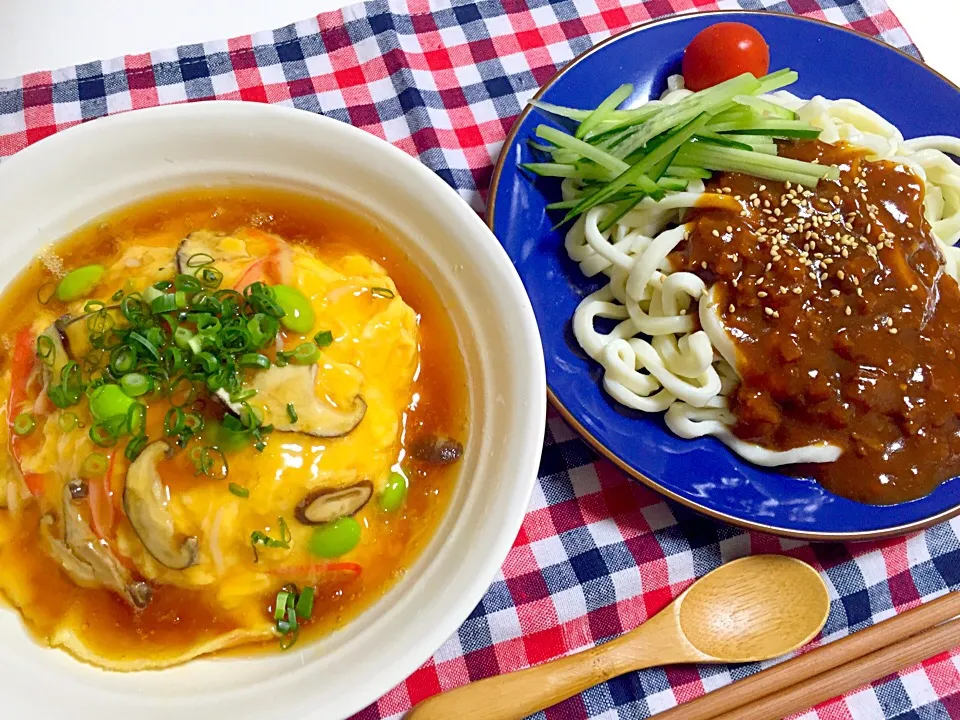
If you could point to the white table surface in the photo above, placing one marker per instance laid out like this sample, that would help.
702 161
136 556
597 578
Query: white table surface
46 34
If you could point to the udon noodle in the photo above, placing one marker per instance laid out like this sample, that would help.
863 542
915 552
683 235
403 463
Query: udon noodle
668 351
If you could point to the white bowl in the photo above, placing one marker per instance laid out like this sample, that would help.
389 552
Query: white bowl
66 180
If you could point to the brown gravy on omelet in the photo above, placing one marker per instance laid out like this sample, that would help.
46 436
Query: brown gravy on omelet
177 618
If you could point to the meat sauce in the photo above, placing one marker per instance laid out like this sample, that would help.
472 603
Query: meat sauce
847 327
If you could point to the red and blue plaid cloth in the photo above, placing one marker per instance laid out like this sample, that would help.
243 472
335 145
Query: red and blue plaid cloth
598 554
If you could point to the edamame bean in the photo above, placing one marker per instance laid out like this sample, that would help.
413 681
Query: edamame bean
297 308
108 401
394 493
336 538
79 282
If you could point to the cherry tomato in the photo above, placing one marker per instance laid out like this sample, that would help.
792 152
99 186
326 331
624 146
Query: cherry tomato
723 51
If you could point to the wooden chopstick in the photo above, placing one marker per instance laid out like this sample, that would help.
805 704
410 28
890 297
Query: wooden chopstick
781 678
852 675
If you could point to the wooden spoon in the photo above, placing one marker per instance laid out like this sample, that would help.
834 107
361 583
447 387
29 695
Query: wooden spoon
751 609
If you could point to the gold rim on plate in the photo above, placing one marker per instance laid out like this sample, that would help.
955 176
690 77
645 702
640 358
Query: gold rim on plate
586 434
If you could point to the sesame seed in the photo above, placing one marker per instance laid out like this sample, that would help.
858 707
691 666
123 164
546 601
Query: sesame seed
715 233
704 264
768 311
762 294
732 308
893 331
762 188
913 288
835 292
860 292
797 290
836 199
847 310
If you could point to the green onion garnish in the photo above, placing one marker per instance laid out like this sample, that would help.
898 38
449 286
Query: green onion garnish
45 350
292 412
254 360
239 490
280 606
305 354
260 538
382 292
163 304
323 339
123 359
135 447
146 344
199 260
174 421
24 424
305 603
46 292
135 384
93 465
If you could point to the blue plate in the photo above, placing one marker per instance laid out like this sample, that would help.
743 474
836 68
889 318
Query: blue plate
703 474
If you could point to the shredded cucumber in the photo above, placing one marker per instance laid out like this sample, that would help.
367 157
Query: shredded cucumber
672 116
770 167
725 140
636 174
568 142
603 110
688 173
772 128
777 81
620 157
766 107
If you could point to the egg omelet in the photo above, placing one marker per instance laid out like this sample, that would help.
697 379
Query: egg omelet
185 475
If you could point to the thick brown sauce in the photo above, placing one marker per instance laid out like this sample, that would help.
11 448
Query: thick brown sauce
847 327
177 619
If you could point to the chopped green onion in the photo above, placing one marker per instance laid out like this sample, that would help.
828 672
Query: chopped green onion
305 603
135 384
254 360
135 447
209 277
105 432
199 260
46 350
93 465
137 419
150 347
174 421
46 292
239 490
213 463
288 639
323 339
123 359
292 412
24 424
305 354
280 606
163 304
187 283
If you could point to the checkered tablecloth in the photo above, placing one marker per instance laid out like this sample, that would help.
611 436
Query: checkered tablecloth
598 554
